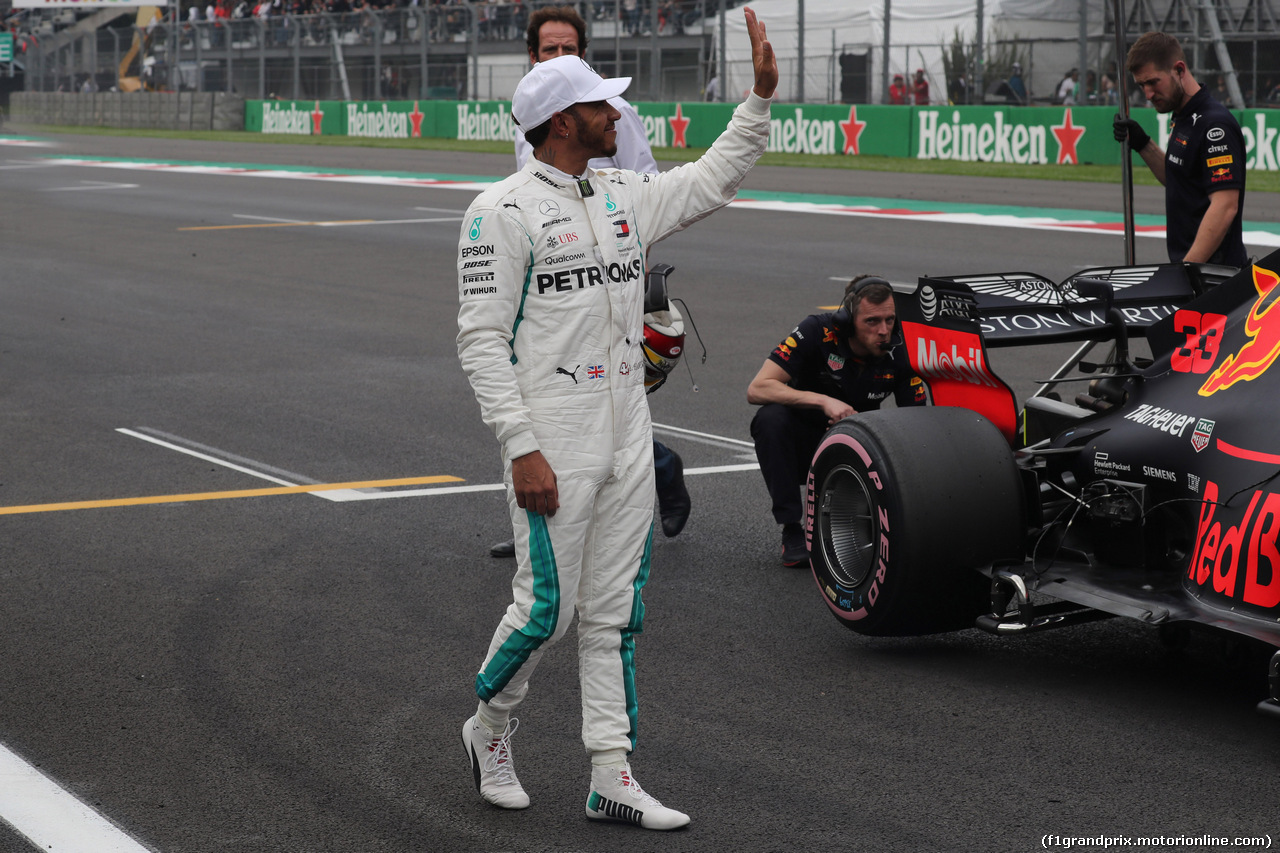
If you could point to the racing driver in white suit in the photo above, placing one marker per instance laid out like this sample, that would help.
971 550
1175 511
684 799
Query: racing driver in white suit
551 266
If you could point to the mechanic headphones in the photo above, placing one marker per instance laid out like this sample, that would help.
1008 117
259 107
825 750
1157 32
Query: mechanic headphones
843 317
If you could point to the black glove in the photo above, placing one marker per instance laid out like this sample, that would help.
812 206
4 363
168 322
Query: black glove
1123 127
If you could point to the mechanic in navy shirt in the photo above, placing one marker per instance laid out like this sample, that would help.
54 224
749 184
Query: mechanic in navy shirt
830 367
1203 170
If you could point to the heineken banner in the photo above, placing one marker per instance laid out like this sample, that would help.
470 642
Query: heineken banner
1033 135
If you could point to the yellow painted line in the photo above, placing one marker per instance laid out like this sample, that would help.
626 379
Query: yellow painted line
215 496
278 225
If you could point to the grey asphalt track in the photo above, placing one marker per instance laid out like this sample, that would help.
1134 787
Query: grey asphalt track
291 673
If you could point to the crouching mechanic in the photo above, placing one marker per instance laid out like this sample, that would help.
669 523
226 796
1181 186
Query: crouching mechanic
831 366
551 268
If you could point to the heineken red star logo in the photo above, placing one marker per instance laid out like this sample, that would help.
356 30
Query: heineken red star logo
679 125
852 130
316 115
416 117
1068 137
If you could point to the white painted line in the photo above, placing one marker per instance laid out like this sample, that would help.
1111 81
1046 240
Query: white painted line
92 185
347 495
722 469
290 476
499 487
206 457
441 210
398 221
715 439
415 493
50 817
344 224
265 218
26 164
335 496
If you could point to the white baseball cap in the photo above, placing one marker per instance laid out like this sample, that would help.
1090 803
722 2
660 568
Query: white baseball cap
557 84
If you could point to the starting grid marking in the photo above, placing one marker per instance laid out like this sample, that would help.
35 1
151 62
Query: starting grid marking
364 490
1031 218
51 818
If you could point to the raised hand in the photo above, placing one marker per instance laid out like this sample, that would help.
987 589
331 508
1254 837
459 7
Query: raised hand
762 57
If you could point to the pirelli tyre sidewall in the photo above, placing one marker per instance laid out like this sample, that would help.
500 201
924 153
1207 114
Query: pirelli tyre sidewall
903 506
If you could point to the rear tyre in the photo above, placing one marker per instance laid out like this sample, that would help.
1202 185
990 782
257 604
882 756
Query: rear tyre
903 506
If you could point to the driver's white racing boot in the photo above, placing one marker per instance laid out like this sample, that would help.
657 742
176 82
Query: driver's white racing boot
616 795
492 765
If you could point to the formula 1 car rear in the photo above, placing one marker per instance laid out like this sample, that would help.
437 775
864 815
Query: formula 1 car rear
1147 495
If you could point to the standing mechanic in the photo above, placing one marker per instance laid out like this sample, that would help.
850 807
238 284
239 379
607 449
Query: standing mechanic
1203 170
831 366
551 268
555 31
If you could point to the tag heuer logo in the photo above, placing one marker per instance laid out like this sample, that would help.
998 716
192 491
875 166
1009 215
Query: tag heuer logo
1200 438
834 361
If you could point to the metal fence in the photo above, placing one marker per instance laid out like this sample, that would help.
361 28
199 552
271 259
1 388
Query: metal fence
465 50
459 50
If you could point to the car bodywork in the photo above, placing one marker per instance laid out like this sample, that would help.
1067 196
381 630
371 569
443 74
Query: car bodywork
1151 494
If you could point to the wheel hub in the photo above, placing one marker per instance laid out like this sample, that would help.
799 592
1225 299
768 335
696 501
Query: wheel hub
847 530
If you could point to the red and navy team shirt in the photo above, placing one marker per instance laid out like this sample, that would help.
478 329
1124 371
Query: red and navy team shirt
817 359
1206 153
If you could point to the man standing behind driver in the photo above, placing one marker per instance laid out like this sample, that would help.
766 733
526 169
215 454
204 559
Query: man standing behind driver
553 351
558 31
831 366
1203 170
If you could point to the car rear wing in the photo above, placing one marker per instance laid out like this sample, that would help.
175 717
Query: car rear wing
947 323
1019 308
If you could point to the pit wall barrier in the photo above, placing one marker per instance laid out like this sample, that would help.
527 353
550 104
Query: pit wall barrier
1001 134
149 110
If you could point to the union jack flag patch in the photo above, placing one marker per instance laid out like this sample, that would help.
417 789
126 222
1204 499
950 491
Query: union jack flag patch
595 371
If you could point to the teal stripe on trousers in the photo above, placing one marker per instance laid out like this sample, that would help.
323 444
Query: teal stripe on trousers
515 650
628 648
